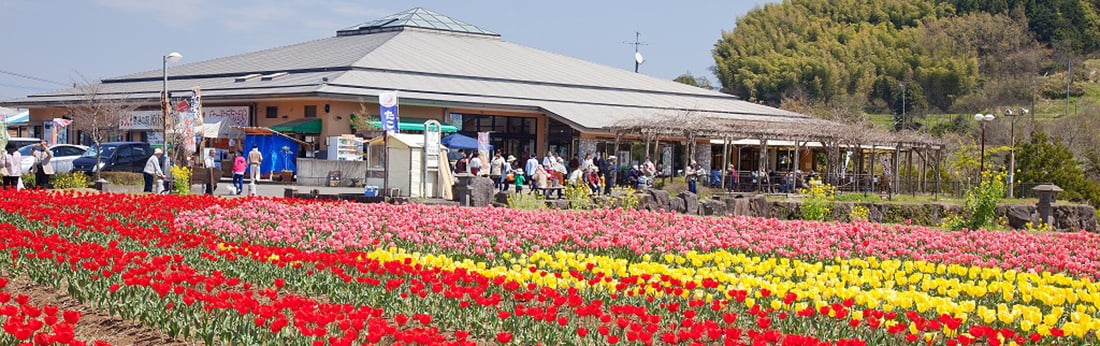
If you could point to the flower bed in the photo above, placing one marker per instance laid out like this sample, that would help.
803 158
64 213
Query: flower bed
268 271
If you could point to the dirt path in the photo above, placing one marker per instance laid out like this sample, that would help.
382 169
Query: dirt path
94 324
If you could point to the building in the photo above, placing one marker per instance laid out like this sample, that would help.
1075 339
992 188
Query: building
463 75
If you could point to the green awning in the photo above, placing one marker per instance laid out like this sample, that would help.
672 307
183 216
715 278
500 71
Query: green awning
304 126
416 124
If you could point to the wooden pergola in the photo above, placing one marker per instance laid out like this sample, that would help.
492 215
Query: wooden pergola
832 136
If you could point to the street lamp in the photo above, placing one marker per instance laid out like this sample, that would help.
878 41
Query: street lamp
982 119
1012 151
171 57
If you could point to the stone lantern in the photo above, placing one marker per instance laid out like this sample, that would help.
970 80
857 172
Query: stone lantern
1047 193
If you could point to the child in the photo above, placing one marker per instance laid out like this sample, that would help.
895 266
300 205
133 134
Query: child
519 180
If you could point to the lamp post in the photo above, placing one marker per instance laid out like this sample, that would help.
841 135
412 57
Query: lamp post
982 119
1012 151
171 57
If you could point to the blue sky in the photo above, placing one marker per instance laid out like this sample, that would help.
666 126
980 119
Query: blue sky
69 40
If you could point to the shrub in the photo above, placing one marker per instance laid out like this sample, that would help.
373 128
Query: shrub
980 207
526 201
628 199
579 196
123 178
28 180
817 201
182 185
72 180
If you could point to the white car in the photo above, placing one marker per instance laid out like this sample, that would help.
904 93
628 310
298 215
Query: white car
63 156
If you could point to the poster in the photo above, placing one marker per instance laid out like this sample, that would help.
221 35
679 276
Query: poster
219 122
61 130
431 143
48 131
387 108
483 147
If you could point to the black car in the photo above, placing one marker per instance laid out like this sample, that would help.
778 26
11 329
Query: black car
115 156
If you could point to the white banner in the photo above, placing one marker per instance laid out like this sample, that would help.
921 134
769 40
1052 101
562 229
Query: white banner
143 120
218 122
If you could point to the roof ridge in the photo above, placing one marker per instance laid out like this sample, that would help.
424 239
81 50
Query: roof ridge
416 17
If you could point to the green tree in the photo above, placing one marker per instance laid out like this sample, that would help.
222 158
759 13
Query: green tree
1041 160
695 81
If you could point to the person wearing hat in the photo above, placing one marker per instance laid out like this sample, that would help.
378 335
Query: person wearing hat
152 169
520 179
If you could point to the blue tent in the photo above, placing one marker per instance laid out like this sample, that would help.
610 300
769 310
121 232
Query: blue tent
275 157
458 141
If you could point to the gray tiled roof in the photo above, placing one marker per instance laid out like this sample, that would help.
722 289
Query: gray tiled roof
437 67
416 18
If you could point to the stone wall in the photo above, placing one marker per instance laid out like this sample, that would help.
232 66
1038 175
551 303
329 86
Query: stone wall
703 156
1067 217
586 146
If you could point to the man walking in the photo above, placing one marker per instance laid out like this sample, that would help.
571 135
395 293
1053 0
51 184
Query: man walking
254 160
43 169
529 169
208 164
152 169
609 171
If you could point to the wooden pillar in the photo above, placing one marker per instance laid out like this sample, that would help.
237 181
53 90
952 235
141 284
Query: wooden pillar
871 173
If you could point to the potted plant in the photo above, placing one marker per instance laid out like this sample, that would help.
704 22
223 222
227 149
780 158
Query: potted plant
286 176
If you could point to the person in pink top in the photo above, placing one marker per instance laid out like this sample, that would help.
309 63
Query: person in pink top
239 165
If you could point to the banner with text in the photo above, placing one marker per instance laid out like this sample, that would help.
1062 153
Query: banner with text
387 109
483 148
219 122
142 120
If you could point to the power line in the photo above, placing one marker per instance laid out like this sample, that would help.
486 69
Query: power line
20 75
24 87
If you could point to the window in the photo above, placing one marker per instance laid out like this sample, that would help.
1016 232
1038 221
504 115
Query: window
139 152
311 111
125 151
272 112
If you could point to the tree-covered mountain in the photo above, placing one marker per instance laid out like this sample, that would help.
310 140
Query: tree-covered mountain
931 55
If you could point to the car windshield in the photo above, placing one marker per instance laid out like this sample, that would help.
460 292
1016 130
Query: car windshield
107 152
26 150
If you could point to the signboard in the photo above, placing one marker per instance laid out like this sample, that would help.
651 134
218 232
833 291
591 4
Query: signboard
142 120
431 144
483 148
219 122
155 138
455 120
61 130
387 108
48 130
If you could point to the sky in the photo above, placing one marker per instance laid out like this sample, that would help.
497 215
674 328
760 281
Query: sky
58 42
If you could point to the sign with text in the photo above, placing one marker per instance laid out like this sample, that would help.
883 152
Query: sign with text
142 120
387 108
219 122
432 148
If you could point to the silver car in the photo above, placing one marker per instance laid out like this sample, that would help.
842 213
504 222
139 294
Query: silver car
63 156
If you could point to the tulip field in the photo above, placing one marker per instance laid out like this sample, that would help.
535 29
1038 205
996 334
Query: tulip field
248 271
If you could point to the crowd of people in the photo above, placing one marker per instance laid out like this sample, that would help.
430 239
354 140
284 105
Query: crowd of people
593 171
11 166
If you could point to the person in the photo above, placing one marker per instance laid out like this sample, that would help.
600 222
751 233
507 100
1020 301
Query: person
609 174
634 177
735 178
152 169
13 166
254 160
43 169
576 177
209 164
475 163
593 179
508 169
549 160
575 162
461 166
497 170
239 165
587 163
691 174
648 169
520 179
542 178
530 167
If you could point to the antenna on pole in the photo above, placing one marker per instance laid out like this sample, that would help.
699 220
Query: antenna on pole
638 59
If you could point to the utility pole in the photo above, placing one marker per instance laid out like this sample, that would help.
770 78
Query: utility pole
638 60
1069 79
903 118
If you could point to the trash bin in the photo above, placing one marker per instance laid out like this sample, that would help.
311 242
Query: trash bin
370 191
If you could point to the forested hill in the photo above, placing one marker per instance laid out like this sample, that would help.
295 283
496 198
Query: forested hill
940 55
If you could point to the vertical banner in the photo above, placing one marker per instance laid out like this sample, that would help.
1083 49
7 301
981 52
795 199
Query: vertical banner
483 148
197 116
4 133
387 108
432 132
61 130
48 132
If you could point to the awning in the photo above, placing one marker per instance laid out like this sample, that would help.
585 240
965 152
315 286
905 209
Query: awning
416 124
265 131
310 126
18 118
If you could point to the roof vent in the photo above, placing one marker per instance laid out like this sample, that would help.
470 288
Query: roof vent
246 78
274 75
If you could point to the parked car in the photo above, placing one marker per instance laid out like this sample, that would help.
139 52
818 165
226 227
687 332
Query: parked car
23 141
114 157
63 156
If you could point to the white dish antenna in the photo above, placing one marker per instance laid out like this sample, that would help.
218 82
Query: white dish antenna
638 58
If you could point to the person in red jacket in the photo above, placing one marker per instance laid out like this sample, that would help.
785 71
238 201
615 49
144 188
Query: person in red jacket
239 165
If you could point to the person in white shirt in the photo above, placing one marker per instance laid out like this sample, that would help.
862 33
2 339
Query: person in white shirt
152 169
209 164
12 166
